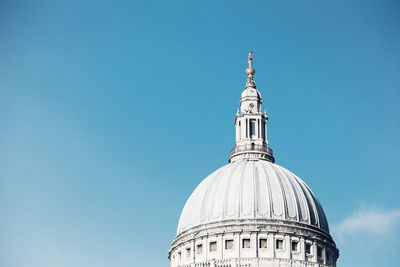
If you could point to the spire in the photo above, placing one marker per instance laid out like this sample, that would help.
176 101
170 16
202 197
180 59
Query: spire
250 71
251 123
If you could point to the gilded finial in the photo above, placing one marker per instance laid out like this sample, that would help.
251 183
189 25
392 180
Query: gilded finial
250 71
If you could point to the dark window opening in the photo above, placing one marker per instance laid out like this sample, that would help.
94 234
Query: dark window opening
213 246
319 252
295 246
308 248
246 243
252 128
199 248
228 244
279 244
263 243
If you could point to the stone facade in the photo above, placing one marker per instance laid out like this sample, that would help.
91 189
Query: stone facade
253 245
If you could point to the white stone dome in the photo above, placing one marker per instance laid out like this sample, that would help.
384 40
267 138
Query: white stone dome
252 212
252 191
250 92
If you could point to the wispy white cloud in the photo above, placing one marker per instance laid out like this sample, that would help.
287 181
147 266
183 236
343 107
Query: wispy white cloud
369 221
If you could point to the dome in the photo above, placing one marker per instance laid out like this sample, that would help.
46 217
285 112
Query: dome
251 92
252 212
249 191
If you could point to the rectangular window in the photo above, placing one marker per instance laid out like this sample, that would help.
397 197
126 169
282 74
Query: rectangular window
252 128
263 243
239 132
319 252
199 248
308 248
263 130
295 246
247 125
246 243
328 256
228 244
279 244
213 246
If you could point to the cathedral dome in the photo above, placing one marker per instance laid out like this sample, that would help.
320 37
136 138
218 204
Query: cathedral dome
251 191
252 212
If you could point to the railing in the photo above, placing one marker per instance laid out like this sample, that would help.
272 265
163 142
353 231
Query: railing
255 262
252 147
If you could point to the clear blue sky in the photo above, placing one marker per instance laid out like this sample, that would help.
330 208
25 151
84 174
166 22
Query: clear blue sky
111 113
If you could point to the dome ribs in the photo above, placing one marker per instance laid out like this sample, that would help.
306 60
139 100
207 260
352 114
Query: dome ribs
250 191
263 203
188 211
264 167
310 204
322 221
255 200
278 202
246 194
302 206
203 201
290 197
215 200
225 214
233 200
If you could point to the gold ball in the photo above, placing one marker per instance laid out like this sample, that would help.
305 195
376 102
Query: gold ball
250 71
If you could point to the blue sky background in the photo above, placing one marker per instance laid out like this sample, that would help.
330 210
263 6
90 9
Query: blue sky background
111 113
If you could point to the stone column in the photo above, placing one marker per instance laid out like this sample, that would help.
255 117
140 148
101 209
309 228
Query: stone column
288 250
302 249
314 248
273 246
